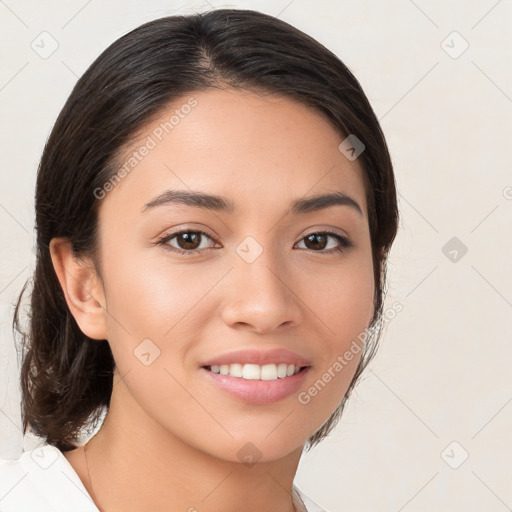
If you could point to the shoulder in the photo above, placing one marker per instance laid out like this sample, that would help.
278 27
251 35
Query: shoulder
42 480
310 505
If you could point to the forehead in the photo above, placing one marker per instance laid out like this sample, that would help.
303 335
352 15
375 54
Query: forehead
258 149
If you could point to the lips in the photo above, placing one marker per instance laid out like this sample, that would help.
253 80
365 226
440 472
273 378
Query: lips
256 376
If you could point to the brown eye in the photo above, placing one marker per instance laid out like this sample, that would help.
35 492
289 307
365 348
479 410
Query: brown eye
188 242
318 242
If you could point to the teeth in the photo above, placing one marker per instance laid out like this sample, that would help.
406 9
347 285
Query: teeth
282 370
257 372
251 372
236 370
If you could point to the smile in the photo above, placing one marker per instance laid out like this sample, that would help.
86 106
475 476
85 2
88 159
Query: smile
251 388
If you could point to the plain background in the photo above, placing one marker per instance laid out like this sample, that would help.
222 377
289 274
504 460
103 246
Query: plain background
438 75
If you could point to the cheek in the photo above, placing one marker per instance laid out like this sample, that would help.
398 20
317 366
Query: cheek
155 297
343 299
343 307
157 317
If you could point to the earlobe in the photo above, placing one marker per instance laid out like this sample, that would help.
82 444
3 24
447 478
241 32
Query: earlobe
81 287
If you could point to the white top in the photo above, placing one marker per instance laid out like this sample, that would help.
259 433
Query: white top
42 480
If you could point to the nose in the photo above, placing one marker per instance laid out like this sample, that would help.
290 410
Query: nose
260 296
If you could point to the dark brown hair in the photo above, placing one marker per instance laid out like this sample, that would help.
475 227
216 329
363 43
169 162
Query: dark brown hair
66 377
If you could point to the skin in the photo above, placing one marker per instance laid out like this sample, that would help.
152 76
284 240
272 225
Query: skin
170 439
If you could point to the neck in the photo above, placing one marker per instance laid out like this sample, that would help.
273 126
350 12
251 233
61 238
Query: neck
135 464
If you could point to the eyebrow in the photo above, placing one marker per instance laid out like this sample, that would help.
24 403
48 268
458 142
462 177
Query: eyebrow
223 204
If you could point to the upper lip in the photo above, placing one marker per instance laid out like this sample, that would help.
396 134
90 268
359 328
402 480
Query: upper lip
258 356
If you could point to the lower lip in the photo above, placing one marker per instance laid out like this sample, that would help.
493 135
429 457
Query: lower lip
257 391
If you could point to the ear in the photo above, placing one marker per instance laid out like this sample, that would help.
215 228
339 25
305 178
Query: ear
82 289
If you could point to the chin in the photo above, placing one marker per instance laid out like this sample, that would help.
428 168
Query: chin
258 448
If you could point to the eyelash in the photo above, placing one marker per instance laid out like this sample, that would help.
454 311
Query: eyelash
345 243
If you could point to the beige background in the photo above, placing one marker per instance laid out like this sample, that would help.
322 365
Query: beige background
440 387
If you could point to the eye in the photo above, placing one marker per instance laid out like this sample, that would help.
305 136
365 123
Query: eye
319 241
188 241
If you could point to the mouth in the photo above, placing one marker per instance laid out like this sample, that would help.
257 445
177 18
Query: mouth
257 376
255 384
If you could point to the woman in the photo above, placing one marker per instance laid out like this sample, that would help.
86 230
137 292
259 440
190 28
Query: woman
214 210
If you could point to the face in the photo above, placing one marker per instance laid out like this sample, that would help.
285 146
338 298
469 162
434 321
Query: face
249 284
